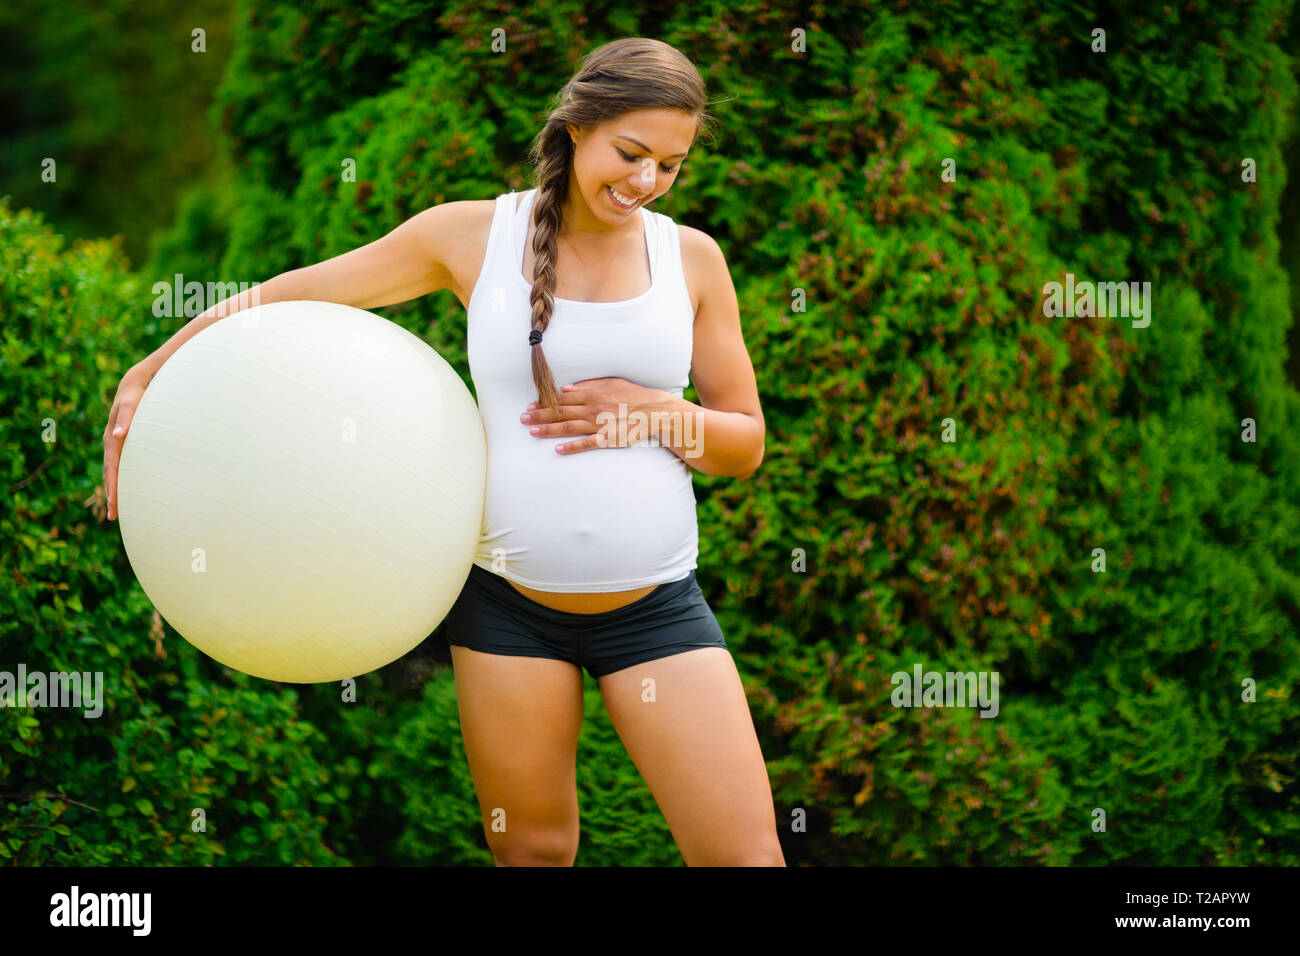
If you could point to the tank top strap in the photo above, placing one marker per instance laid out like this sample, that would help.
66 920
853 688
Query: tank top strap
653 243
498 233
519 227
670 275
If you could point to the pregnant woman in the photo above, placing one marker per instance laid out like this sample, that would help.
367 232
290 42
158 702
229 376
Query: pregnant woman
588 551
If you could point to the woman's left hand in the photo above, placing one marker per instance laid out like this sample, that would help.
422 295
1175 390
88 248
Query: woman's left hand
594 408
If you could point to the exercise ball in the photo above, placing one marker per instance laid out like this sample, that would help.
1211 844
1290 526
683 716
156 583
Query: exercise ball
300 492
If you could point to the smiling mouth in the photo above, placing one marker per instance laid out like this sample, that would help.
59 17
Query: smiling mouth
617 202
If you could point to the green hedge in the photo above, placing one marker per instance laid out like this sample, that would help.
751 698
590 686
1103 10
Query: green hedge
1121 691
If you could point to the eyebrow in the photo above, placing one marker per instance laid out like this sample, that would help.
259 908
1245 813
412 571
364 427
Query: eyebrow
645 147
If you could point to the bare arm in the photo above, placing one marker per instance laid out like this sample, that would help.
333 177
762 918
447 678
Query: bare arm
408 262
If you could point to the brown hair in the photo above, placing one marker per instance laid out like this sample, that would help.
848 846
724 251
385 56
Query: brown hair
628 74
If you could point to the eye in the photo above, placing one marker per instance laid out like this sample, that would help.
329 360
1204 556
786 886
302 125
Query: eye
633 159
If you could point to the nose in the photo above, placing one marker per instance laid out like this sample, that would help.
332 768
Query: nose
645 182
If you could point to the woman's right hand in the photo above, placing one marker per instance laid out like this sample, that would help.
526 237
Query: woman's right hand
129 392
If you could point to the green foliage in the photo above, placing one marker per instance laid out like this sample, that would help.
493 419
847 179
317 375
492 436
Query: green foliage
1120 691
1123 689
174 735
107 89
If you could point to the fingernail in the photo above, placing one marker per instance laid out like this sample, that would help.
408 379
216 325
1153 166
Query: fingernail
117 430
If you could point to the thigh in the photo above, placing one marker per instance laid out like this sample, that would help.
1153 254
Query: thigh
672 619
686 725
520 718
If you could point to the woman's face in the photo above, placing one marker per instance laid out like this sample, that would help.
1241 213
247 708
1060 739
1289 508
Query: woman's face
638 154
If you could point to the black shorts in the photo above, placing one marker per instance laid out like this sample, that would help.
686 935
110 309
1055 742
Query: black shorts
491 616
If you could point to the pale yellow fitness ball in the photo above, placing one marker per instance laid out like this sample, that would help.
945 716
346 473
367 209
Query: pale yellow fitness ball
301 490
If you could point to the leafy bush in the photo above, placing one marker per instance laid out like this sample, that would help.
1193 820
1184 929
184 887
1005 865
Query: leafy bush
866 544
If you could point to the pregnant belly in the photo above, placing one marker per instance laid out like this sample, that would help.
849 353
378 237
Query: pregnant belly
572 533
595 603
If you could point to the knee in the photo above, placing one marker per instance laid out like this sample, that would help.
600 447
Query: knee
757 858
535 848
764 853
769 857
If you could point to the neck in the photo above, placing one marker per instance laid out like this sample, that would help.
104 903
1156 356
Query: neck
580 225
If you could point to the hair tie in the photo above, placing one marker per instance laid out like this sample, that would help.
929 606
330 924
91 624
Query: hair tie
534 337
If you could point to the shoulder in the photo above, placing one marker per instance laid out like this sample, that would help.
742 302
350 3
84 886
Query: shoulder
475 212
702 261
459 231
479 212
701 248
460 219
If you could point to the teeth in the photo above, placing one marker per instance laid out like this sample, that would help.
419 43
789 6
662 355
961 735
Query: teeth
623 200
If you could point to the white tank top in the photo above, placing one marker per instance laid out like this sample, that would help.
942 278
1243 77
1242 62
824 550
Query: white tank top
607 519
